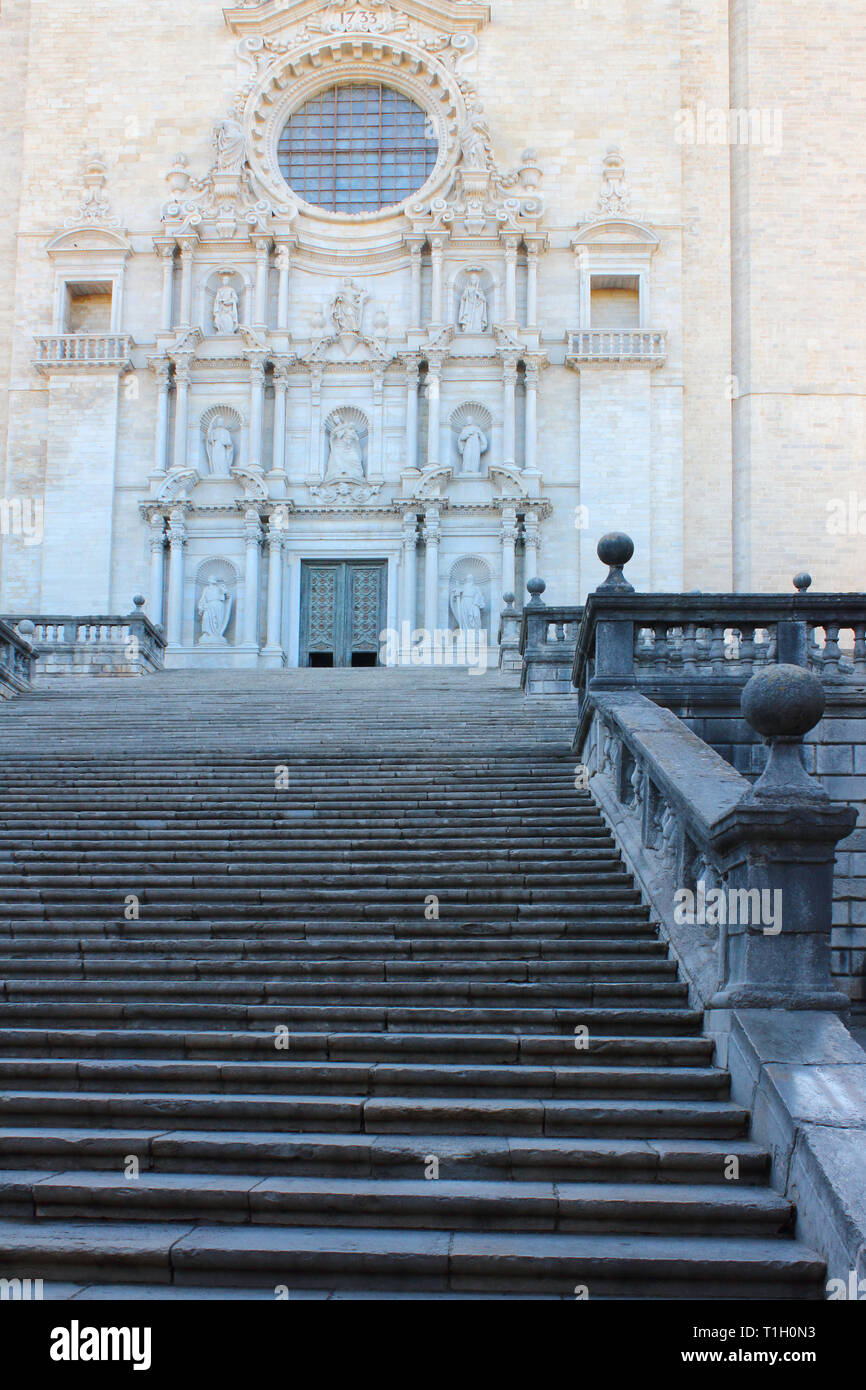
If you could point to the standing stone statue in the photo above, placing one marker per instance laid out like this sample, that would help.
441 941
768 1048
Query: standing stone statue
225 307
346 456
467 604
228 138
472 442
347 308
220 447
214 607
474 315
475 139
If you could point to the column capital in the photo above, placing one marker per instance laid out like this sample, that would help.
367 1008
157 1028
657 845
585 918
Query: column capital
282 371
257 371
165 247
157 531
511 242
509 367
432 533
252 527
161 368
508 528
182 370
188 243
177 532
410 529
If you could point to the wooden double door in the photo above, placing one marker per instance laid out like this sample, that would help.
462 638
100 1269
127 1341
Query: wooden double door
343 612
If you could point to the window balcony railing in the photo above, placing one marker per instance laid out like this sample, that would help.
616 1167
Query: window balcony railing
637 347
56 351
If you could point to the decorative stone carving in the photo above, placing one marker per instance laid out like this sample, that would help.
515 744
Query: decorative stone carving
214 609
229 147
95 209
358 17
345 452
469 593
475 142
220 447
615 196
347 309
474 313
226 314
472 443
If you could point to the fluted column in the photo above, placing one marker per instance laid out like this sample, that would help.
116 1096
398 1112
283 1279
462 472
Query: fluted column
437 248
532 286
182 375
412 414
284 266
253 543
314 472
166 255
511 245
508 536
276 549
187 252
160 442
530 544
281 383
415 249
378 441
177 541
434 385
157 568
257 410
509 410
432 537
408 602
530 463
263 261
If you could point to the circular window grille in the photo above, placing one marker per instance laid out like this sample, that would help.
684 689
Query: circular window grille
357 148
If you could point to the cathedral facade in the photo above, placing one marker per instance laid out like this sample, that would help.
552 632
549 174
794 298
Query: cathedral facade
326 320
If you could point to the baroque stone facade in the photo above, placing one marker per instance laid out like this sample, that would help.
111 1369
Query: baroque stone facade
214 383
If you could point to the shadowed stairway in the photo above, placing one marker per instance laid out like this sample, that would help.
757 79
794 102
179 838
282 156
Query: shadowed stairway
252 1086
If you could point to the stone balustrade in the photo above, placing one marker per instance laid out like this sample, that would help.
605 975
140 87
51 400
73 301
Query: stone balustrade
94 645
17 662
548 636
637 347
56 351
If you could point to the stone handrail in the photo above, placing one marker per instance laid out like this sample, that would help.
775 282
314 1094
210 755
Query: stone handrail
95 642
17 662
691 825
547 642
728 636
639 346
55 350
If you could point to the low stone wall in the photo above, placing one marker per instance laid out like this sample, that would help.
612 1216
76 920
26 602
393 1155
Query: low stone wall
93 646
17 663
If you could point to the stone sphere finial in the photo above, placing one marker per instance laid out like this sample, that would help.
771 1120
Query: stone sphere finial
536 588
139 601
783 702
508 599
26 629
615 550
802 581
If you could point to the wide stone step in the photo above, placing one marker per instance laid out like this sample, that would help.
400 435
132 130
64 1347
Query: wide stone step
283 1075
660 1020
279 970
435 1204
415 1047
630 1118
534 1158
514 1261
43 949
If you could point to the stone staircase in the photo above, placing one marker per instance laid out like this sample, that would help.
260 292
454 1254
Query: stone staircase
288 1043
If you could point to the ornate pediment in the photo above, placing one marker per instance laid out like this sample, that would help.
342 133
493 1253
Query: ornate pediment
355 16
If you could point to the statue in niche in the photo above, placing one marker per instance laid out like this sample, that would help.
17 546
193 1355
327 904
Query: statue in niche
346 455
229 145
215 608
475 139
220 447
347 309
472 442
225 307
474 315
467 604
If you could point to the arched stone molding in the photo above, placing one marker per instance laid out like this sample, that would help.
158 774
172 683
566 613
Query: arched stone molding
313 65
615 249
179 482
227 574
209 283
234 424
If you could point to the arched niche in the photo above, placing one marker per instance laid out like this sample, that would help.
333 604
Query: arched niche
234 280
216 592
471 455
469 573
214 463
